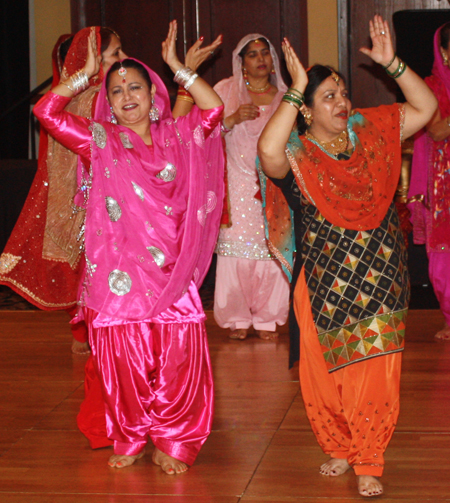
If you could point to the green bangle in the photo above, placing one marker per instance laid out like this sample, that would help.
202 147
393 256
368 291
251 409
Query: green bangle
390 62
300 94
402 71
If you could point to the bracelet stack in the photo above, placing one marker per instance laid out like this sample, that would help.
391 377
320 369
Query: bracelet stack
294 98
79 82
185 77
398 71
184 95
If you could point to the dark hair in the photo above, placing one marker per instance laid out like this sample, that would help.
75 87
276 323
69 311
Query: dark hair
105 36
316 75
64 49
129 63
244 50
445 35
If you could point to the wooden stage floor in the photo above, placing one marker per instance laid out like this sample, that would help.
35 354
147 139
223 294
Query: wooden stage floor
261 448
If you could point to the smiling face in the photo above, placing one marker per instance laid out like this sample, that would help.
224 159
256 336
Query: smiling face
257 60
330 110
131 100
112 54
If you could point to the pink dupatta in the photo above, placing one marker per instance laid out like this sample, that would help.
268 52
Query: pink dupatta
152 214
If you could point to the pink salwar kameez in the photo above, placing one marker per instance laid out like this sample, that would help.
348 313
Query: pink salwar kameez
251 288
152 217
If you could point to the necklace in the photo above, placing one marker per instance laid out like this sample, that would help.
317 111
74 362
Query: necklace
257 90
333 147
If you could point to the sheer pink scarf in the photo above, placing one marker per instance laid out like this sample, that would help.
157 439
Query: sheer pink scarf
152 214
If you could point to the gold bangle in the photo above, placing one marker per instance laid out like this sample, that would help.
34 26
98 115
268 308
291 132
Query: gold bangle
185 98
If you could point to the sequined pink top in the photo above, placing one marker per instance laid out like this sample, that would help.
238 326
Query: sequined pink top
115 305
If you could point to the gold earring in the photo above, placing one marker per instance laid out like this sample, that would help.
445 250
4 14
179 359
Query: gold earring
444 57
244 74
307 116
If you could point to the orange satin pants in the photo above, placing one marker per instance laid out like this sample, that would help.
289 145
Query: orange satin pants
353 411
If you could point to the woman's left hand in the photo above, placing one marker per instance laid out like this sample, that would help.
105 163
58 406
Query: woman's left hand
169 52
196 55
382 51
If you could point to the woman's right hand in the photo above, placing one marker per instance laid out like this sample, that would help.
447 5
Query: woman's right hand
247 112
295 68
93 60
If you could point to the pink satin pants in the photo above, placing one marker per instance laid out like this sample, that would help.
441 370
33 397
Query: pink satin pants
156 381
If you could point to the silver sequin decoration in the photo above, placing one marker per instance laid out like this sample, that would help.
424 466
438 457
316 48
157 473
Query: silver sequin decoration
168 174
157 254
99 135
125 140
198 136
119 282
113 209
138 191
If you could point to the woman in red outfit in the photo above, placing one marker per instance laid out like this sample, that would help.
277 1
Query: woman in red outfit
42 260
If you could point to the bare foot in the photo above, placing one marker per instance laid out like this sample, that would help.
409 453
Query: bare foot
239 333
444 334
122 461
267 335
369 486
169 465
80 348
334 467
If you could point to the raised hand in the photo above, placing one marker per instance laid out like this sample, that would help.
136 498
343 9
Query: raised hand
382 51
294 66
93 60
169 52
196 55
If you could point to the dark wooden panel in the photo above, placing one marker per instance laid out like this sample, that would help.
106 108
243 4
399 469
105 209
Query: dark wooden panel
143 24
234 19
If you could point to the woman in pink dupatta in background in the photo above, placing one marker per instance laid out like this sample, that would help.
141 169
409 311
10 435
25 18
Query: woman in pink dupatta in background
152 197
251 288
430 180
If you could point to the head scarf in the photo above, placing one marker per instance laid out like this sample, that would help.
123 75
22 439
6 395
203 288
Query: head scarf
428 172
233 90
149 234
57 63
62 227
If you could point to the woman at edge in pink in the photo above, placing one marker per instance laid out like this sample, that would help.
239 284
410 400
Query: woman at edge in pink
152 201
430 178
251 288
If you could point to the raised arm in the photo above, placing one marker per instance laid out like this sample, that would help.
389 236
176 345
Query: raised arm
273 139
420 101
195 56
204 95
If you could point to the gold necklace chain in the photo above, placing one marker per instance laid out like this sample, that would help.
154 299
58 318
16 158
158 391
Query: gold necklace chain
257 90
333 147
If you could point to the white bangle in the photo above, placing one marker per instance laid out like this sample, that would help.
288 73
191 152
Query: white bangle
185 77
79 81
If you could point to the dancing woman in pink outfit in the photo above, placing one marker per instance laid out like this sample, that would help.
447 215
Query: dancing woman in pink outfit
151 198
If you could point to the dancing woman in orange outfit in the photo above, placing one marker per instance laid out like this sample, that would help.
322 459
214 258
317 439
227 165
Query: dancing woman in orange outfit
336 179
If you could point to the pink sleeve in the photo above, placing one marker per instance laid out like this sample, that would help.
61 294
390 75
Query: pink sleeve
207 118
68 129
210 119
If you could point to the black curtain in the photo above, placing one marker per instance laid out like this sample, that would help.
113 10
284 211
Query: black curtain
14 77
